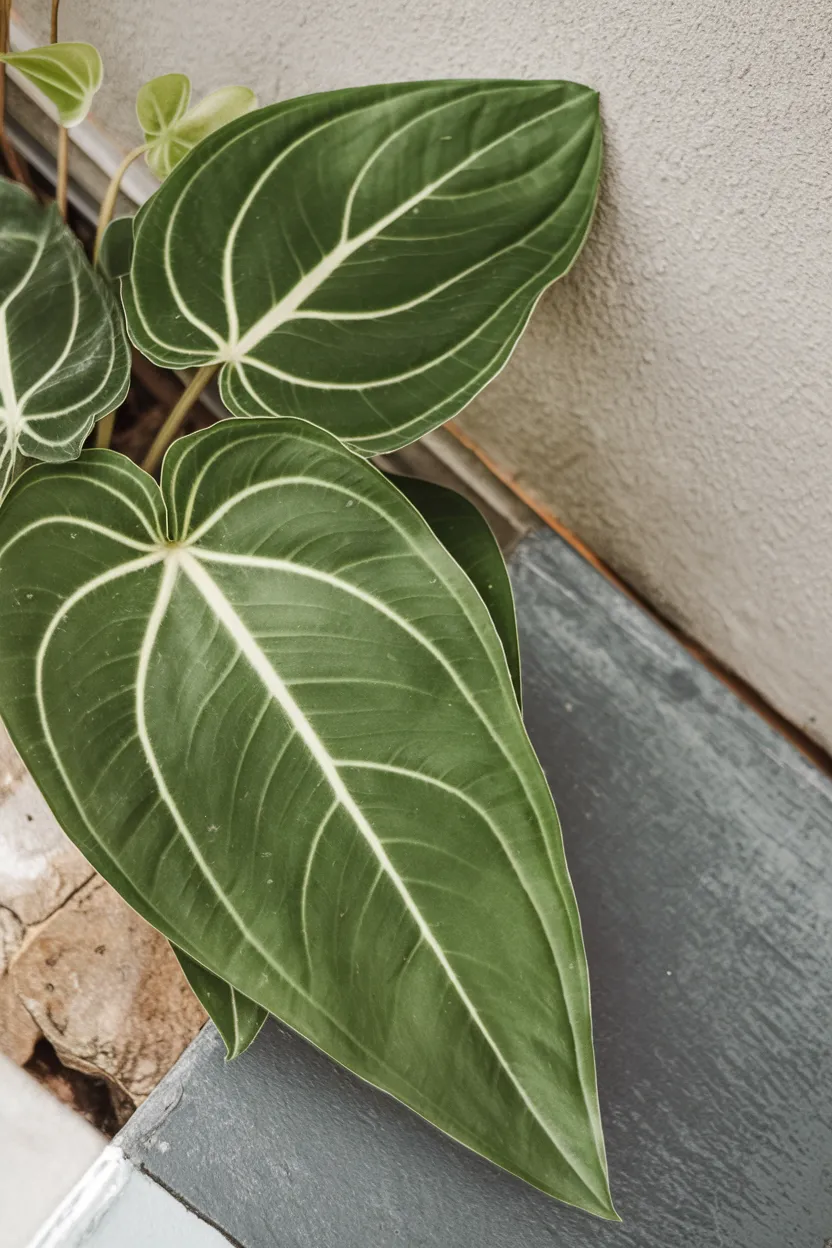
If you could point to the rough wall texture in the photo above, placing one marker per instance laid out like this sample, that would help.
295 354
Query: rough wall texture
672 399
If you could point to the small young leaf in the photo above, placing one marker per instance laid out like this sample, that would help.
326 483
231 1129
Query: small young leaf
467 536
68 74
171 129
236 1018
302 759
367 259
161 102
64 360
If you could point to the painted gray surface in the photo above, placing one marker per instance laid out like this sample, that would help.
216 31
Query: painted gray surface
701 848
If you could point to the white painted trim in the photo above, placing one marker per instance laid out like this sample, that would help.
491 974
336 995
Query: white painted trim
87 1203
115 1205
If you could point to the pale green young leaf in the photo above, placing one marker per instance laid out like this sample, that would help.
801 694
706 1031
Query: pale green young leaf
68 74
215 110
236 1018
161 102
367 259
64 361
302 759
171 129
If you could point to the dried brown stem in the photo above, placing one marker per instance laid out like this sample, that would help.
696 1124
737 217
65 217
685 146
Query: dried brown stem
62 176
13 163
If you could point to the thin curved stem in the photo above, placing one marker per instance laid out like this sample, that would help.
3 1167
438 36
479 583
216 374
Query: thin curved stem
108 203
62 176
62 179
171 426
9 154
104 431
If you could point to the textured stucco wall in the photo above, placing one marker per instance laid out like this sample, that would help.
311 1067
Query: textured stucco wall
672 400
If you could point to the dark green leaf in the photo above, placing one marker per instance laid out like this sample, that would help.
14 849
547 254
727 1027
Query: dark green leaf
116 250
274 713
465 534
366 259
63 354
237 1019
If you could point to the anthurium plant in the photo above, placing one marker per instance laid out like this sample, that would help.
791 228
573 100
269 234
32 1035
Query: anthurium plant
274 696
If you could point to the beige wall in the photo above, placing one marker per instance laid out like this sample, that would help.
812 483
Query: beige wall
672 401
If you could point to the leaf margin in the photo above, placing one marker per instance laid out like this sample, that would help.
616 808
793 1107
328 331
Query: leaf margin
175 534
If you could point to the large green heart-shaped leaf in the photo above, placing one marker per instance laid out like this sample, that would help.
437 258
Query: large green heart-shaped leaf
465 534
171 129
366 259
68 74
274 713
64 360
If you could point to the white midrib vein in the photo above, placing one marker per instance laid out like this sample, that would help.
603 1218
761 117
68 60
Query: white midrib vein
345 586
314 279
159 554
12 413
9 411
216 600
8 398
174 561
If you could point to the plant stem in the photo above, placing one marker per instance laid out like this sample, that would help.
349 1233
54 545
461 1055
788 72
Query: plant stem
109 201
9 154
171 426
62 179
104 431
